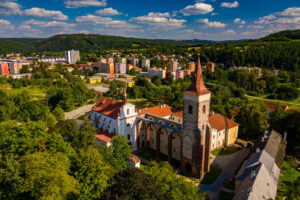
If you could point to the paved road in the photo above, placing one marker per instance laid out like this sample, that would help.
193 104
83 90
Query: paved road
74 114
228 163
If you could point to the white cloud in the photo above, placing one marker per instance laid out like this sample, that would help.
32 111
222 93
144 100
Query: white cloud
287 19
230 5
4 24
84 3
108 12
9 8
230 32
51 24
239 21
212 24
197 9
24 27
255 26
106 21
160 20
41 12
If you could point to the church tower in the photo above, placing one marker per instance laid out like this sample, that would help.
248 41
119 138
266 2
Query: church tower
196 133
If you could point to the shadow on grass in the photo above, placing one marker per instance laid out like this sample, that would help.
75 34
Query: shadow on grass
226 150
211 176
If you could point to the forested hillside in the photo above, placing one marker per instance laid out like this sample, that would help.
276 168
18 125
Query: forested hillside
283 36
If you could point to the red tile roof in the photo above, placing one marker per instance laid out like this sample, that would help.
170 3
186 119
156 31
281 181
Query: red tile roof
108 107
136 68
217 121
161 111
178 113
135 159
104 136
271 106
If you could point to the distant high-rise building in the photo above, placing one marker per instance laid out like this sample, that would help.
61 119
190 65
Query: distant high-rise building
110 60
134 61
191 66
106 68
4 69
146 63
211 66
14 68
123 60
120 68
72 56
172 66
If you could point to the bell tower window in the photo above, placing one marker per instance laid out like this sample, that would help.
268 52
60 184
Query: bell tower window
127 111
190 109
204 109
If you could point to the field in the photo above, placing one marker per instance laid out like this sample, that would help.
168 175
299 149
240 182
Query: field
33 91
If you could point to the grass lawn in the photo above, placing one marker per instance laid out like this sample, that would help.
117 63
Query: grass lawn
226 195
226 150
287 176
33 91
211 176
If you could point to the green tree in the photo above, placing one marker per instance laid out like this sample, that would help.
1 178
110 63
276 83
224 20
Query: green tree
133 184
21 139
56 143
92 174
251 119
58 113
276 117
286 92
172 186
46 176
117 154
11 181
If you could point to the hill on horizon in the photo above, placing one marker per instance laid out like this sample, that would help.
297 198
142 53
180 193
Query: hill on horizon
85 42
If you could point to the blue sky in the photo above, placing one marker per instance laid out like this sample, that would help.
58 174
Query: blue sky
163 19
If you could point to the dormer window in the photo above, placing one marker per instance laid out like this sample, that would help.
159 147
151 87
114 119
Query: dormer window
190 109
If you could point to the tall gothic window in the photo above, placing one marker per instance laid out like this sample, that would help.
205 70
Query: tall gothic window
190 109
204 109
127 111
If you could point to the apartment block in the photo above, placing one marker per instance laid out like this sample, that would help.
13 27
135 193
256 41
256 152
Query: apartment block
72 56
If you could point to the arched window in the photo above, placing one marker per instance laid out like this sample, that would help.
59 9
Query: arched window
128 136
204 109
190 109
127 111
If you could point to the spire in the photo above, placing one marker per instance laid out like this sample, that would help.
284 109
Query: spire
197 85
124 96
